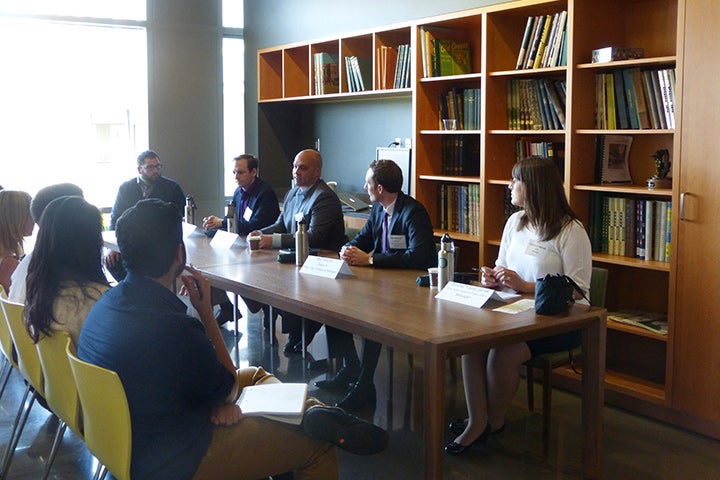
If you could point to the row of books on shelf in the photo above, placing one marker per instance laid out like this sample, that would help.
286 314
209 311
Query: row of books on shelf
631 98
443 56
536 104
326 76
630 227
654 322
462 104
460 155
402 67
459 207
555 151
544 42
358 71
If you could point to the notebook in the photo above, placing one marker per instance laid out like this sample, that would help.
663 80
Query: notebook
283 402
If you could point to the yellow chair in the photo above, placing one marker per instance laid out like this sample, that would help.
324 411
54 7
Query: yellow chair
29 367
106 416
60 390
6 348
547 362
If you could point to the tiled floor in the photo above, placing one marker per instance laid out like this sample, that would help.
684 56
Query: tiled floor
634 447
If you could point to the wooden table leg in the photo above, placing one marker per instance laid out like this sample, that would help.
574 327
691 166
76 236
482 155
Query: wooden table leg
593 345
434 399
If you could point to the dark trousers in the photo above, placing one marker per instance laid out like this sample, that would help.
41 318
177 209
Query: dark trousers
341 345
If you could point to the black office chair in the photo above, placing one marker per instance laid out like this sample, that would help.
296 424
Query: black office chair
547 362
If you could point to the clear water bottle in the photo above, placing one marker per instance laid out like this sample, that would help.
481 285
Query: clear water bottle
230 216
446 261
190 209
302 248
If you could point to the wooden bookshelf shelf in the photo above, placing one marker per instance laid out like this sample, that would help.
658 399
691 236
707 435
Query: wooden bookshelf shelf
621 327
672 377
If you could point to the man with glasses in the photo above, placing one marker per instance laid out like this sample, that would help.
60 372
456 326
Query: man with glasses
149 183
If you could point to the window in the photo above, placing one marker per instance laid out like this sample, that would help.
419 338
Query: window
233 51
116 9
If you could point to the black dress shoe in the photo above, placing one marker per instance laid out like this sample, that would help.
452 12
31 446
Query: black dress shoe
333 425
359 397
298 348
454 448
225 315
342 380
458 427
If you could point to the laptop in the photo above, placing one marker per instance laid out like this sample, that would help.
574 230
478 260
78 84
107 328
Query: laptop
351 202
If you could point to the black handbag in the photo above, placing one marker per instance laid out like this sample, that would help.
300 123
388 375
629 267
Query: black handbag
554 293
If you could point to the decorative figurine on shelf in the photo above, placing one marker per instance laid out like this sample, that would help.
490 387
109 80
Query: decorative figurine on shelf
662 168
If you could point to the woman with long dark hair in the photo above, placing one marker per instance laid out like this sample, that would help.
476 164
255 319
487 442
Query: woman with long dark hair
65 276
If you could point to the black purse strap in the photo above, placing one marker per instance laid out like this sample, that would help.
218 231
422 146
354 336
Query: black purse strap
577 288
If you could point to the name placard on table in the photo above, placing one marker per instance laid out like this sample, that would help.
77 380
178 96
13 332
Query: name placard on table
325 267
472 295
223 239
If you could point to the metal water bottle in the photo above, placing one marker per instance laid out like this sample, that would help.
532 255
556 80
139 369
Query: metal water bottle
302 248
190 209
446 261
230 216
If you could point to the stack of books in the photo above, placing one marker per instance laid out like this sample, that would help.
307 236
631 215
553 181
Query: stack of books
630 98
544 43
555 151
443 56
630 227
387 63
359 73
402 68
460 208
536 104
654 322
327 74
460 155
463 105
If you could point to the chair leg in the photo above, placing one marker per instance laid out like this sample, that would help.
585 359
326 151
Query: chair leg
100 472
529 373
547 407
55 446
390 351
7 370
20 420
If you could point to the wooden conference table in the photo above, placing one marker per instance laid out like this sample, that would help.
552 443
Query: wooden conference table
387 306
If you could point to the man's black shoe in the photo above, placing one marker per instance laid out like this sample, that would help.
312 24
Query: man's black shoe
225 315
333 425
293 341
342 380
358 398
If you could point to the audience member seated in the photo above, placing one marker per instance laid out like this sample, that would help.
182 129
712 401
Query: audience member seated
65 277
15 224
180 381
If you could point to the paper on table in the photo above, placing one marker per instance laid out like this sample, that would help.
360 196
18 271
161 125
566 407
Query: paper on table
516 307
284 402
472 295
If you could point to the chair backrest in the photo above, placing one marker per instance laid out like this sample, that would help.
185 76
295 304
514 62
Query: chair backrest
28 360
60 390
106 416
6 343
598 286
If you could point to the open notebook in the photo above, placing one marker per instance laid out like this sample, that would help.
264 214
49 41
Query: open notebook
284 402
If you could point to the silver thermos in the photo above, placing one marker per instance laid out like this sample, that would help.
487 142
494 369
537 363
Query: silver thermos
230 215
190 210
302 248
446 261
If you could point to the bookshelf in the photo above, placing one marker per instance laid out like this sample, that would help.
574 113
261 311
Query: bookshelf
646 372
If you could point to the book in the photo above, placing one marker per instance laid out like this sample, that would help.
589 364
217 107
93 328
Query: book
613 158
613 54
631 99
535 43
654 322
327 74
522 54
283 402
621 110
640 96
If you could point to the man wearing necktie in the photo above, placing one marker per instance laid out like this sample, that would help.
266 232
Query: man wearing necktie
398 234
322 210
256 206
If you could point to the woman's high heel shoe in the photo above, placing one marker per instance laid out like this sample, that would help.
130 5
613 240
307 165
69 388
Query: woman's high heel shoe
458 427
454 448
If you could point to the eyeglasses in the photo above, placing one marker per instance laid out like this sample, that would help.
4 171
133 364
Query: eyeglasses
241 172
157 166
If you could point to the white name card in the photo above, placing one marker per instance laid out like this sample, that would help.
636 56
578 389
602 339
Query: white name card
472 295
188 229
325 267
223 239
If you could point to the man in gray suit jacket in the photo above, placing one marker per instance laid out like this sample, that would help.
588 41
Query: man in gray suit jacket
322 211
